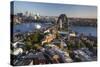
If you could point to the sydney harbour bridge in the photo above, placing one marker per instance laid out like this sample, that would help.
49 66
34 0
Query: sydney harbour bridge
62 22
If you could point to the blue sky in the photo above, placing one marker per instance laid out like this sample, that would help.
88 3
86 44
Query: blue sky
46 9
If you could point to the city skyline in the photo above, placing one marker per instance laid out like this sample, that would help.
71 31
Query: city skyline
49 9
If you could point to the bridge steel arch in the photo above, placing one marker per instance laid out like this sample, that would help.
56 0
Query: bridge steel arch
62 22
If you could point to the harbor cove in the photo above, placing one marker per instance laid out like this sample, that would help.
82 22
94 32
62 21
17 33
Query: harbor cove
30 27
